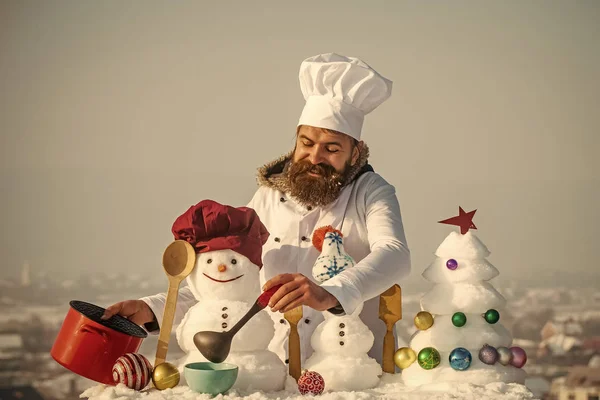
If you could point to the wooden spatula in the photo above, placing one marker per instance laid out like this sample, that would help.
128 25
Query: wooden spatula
293 317
390 312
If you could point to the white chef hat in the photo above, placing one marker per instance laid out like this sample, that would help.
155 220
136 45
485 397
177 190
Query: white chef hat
339 92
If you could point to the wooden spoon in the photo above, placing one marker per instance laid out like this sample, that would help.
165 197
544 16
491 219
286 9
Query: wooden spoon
293 317
390 312
178 262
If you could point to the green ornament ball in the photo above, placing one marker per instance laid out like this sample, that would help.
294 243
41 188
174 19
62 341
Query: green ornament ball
491 316
428 358
459 319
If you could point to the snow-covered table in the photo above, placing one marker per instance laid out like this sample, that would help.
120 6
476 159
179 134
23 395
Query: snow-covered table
390 388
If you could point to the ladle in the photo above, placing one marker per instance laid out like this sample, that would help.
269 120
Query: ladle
215 346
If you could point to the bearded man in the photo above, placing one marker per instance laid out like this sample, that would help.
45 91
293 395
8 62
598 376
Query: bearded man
324 180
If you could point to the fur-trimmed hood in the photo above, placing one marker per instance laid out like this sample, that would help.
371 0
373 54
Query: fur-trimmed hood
273 174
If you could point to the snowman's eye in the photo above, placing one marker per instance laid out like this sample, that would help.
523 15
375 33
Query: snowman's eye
209 261
233 261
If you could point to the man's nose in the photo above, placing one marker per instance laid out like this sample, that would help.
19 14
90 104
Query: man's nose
316 156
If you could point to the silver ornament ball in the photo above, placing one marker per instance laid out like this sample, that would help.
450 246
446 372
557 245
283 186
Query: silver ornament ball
504 355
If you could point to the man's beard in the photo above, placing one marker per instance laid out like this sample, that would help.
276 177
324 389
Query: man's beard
316 190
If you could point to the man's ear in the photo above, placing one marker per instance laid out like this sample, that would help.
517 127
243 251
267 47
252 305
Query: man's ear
356 152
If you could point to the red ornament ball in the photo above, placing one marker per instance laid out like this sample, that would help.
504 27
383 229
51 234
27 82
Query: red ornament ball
133 370
311 382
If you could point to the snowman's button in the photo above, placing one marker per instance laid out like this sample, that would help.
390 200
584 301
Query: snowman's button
224 309
342 325
307 321
309 208
304 238
287 361
341 343
342 333
224 325
277 239
224 316
282 199
282 321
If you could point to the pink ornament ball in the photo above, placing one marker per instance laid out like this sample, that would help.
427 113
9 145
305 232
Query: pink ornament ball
519 357
133 370
311 382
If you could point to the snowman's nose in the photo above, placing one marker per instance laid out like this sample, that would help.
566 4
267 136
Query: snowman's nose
222 268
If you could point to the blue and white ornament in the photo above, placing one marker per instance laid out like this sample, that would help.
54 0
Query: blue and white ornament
460 359
333 258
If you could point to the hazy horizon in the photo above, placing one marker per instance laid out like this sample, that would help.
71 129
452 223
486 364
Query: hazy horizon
117 116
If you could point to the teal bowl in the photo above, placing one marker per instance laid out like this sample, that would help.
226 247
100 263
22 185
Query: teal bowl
211 378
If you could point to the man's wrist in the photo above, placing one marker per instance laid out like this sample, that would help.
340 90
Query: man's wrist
337 309
152 325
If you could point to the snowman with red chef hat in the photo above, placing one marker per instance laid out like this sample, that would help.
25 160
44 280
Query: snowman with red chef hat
225 282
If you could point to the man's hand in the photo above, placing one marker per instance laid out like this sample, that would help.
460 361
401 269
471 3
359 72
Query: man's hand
298 290
136 311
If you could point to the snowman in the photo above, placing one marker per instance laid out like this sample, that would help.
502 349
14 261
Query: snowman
340 343
225 282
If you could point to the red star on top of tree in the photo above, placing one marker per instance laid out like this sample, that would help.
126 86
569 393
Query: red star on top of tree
464 220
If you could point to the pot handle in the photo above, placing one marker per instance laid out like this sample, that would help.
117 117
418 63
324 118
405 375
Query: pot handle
90 329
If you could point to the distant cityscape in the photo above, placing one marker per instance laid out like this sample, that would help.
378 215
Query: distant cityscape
558 327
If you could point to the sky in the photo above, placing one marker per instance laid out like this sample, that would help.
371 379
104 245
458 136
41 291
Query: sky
115 117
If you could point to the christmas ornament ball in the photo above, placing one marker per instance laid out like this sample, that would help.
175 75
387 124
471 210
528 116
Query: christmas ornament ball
460 359
428 358
488 354
311 382
452 264
459 319
404 357
165 376
133 370
519 357
423 320
504 355
492 316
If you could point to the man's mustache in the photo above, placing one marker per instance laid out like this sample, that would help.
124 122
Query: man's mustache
321 169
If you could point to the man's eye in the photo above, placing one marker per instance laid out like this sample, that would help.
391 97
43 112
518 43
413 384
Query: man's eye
307 144
332 150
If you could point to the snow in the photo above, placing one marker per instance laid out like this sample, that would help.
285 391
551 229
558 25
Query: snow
345 373
448 298
357 339
465 246
390 388
467 271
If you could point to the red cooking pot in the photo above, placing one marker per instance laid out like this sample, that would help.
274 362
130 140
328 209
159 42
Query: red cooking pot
90 346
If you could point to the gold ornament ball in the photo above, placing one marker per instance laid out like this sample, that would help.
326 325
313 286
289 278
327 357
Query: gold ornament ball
165 376
404 357
423 320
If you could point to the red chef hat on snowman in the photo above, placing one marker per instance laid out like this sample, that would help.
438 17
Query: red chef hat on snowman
210 226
